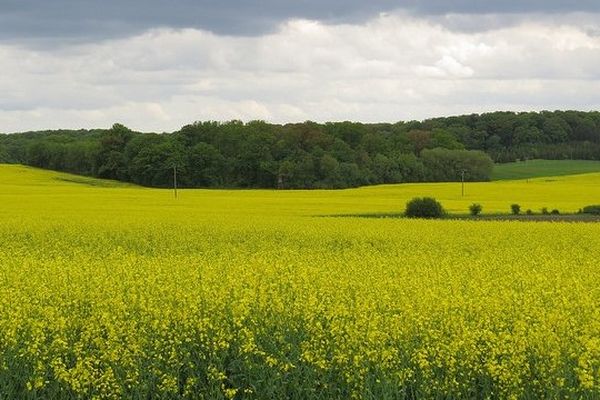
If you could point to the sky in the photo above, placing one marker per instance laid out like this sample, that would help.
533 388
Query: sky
156 65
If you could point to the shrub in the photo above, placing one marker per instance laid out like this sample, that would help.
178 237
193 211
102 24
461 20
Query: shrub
529 212
515 209
555 212
475 209
595 209
425 207
545 211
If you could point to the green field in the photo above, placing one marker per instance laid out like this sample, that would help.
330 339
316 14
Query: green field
543 168
114 291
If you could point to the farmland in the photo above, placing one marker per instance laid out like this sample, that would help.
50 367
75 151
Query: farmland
110 290
542 168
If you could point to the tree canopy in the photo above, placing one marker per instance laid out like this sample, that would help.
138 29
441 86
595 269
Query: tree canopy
311 155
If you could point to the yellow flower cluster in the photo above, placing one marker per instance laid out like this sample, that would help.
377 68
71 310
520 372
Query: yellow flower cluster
110 293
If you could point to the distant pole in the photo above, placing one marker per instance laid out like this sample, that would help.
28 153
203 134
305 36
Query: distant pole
175 180
462 182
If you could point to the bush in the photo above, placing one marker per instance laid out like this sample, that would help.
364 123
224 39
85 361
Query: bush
475 209
515 209
529 212
545 211
555 212
425 207
595 209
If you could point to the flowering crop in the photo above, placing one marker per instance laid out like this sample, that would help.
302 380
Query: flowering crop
126 293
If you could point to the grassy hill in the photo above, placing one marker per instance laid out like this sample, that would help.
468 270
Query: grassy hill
22 175
35 191
543 168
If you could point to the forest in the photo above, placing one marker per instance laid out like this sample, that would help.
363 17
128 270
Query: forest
309 155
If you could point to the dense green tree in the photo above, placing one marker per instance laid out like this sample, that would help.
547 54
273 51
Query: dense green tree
448 165
556 129
527 134
419 139
329 171
410 168
351 175
385 170
38 154
205 165
111 162
4 155
153 165
309 154
444 139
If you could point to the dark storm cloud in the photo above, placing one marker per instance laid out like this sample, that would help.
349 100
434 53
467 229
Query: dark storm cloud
89 20
499 6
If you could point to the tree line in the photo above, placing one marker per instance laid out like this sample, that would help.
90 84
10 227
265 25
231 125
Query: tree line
311 155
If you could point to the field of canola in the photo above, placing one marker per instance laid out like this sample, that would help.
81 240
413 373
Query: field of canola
113 291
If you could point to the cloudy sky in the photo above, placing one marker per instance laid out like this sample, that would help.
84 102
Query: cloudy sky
156 65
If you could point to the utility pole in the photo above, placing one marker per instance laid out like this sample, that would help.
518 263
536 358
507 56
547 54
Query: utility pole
462 182
175 180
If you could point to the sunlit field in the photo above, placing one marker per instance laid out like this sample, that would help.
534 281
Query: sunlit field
63 197
114 291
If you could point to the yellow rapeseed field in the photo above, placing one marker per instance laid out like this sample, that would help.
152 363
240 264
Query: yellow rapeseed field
112 291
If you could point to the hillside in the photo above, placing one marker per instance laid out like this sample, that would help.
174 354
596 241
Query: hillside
25 176
32 190
543 168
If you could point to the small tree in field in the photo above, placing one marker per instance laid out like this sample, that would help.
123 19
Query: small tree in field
515 209
475 209
594 209
425 207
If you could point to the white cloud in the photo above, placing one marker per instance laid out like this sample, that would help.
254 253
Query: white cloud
390 68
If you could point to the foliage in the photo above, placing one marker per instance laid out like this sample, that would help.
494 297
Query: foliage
311 155
443 165
475 209
515 209
594 209
424 207
125 292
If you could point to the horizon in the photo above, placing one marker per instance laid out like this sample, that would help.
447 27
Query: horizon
133 129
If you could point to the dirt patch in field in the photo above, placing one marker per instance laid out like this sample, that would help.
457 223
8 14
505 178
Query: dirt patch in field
490 217
531 218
